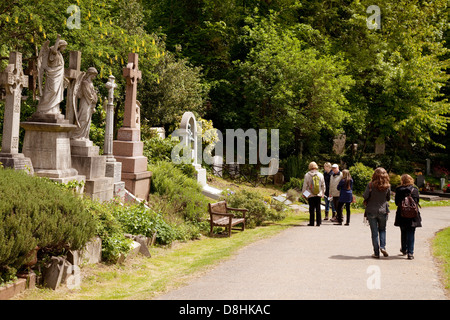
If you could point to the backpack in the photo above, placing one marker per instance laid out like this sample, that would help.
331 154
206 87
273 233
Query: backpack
409 208
316 184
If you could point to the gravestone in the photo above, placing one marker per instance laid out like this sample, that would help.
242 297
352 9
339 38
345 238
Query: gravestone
428 167
113 167
190 140
339 144
14 81
128 148
420 181
380 146
47 132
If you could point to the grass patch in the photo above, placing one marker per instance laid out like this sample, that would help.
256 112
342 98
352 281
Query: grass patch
441 250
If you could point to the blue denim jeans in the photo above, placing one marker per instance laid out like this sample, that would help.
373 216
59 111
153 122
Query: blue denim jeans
377 224
407 239
328 205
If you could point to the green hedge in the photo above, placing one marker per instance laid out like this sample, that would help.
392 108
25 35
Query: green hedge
38 212
361 176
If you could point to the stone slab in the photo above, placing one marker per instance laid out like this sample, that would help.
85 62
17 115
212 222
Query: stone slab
132 164
114 170
91 166
16 161
128 148
128 134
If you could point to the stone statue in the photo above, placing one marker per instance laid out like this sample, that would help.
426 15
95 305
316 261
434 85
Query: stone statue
85 92
51 62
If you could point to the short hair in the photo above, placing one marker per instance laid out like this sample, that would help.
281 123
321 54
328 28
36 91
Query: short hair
406 180
313 165
327 164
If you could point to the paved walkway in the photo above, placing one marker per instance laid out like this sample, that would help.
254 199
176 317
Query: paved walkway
326 262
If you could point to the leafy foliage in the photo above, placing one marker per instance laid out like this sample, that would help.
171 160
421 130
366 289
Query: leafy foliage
37 212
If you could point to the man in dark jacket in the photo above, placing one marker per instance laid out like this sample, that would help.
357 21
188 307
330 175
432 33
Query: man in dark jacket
407 225
328 203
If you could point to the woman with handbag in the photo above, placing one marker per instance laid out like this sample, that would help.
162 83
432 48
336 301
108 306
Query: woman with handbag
407 222
377 196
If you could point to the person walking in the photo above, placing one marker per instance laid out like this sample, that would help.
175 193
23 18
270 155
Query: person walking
376 197
407 225
328 203
345 188
334 192
314 189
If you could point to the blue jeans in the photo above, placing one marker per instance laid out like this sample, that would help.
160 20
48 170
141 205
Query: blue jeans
377 224
329 204
407 239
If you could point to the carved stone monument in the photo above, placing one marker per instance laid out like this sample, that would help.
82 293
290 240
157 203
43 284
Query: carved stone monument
85 156
128 148
113 167
14 80
47 132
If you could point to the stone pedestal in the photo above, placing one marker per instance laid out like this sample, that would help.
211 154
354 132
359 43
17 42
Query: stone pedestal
86 159
114 170
201 175
128 150
17 161
48 147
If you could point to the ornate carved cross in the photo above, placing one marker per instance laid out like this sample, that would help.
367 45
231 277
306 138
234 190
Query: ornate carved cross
14 81
132 75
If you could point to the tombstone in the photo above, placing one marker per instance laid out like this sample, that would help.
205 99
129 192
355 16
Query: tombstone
160 131
428 167
113 167
380 146
442 183
47 132
14 80
128 148
420 181
190 140
339 144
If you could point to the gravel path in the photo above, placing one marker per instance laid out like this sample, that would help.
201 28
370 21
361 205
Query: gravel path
326 262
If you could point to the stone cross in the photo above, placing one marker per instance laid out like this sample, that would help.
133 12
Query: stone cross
132 75
109 129
72 74
14 80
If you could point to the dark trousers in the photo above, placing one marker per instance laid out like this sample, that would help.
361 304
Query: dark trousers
407 235
314 208
340 216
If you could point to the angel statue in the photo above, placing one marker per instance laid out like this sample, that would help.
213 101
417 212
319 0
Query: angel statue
50 61
85 92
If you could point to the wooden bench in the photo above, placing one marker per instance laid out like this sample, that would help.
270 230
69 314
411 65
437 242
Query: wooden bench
220 216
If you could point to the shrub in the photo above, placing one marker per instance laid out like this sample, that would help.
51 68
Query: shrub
294 183
395 180
140 220
38 212
109 230
258 210
361 176
182 192
294 167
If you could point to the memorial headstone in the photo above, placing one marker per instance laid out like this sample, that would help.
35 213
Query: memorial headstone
128 148
339 143
14 80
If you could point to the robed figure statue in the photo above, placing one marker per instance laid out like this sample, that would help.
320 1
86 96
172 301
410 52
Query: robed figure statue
84 101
